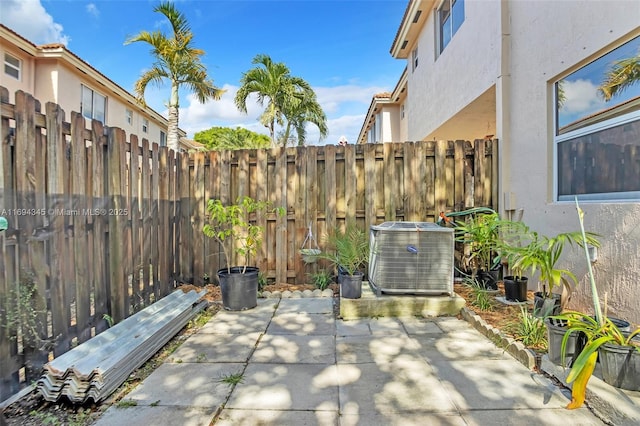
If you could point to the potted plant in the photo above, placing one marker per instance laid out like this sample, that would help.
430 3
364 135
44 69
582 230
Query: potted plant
481 235
228 225
541 254
348 251
515 284
619 352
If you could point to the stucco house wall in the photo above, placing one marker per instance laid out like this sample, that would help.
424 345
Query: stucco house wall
499 69
442 85
544 47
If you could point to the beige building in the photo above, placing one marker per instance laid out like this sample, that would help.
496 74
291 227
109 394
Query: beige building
52 73
532 73
385 120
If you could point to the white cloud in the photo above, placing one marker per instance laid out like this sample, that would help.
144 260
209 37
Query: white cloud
92 9
581 97
330 98
29 19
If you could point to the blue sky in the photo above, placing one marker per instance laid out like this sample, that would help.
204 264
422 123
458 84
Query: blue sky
341 47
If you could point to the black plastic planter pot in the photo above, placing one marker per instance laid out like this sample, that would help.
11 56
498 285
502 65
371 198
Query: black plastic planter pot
546 306
239 291
620 366
515 289
488 280
351 285
556 330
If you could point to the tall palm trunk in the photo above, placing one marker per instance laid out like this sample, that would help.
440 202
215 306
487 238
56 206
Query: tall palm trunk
172 127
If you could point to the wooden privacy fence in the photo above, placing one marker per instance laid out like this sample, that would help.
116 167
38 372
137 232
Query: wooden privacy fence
102 225
95 240
327 186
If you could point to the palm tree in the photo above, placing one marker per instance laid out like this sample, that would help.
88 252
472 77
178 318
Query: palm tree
623 74
290 100
302 110
177 61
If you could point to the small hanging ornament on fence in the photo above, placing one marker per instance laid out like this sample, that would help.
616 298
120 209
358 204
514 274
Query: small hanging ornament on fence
310 249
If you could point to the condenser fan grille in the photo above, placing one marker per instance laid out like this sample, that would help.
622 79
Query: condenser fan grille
411 258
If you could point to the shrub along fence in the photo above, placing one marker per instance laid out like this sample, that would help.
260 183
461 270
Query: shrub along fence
101 225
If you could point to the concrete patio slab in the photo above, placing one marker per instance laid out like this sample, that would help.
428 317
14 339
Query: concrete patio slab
302 366
359 327
207 347
497 384
380 350
303 324
237 323
527 417
308 306
417 418
414 326
157 415
234 417
186 385
412 386
460 345
289 348
310 387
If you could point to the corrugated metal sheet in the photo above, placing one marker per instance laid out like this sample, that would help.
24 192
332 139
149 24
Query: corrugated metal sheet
97 367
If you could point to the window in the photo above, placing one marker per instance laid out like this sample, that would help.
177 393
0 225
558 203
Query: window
402 112
93 104
163 138
414 59
129 116
12 66
597 128
449 18
145 125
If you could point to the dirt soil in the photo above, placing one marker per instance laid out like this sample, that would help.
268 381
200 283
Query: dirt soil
33 410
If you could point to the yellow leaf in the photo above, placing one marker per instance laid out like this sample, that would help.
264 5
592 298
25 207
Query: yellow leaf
579 390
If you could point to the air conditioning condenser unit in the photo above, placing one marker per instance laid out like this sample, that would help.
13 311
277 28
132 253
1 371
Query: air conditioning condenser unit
411 258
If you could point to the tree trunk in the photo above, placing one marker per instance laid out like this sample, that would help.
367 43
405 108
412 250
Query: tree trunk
172 129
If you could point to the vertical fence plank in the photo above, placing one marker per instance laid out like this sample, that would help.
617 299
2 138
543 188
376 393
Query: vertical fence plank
281 221
458 166
145 177
330 212
100 225
154 211
163 224
198 205
390 186
134 214
6 170
409 183
78 219
479 172
370 185
184 216
440 177
299 199
119 300
262 195
172 264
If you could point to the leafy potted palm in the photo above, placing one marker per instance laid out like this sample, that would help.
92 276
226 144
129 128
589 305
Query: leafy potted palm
541 254
481 235
229 225
348 251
